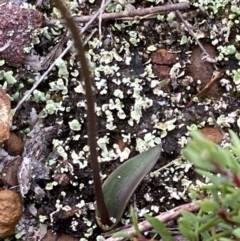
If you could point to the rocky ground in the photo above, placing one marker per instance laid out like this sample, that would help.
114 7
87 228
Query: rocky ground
149 73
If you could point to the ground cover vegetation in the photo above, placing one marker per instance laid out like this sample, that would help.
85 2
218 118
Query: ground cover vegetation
156 77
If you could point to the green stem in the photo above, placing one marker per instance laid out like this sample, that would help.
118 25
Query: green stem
220 234
92 130
209 224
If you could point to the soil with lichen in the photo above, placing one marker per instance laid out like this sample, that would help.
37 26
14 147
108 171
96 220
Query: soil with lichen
145 71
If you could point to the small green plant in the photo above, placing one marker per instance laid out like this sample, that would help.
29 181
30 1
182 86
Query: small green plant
114 195
218 217
159 227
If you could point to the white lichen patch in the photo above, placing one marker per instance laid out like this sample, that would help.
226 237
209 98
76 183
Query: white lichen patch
75 125
141 103
148 141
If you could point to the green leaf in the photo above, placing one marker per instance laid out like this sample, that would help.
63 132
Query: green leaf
185 227
202 163
122 235
209 206
236 150
211 222
191 219
135 222
232 198
159 227
222 157
236 232
235 141
121 184
225 239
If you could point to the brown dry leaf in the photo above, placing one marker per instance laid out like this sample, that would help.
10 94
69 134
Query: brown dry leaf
10 212
161 71
5 116
14 145
162 61
118 139
200 69
212 134
163 57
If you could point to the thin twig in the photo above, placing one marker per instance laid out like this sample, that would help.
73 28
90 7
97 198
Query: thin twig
28 93
214 78
57 49
100 21
132 13
6 45
156 172
164 217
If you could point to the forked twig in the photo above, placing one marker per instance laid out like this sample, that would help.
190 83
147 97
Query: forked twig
164 217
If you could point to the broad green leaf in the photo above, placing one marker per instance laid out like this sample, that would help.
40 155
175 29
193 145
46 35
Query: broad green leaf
135 221
121 184
159 227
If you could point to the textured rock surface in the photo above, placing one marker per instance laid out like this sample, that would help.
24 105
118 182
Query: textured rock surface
16 32
10 212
